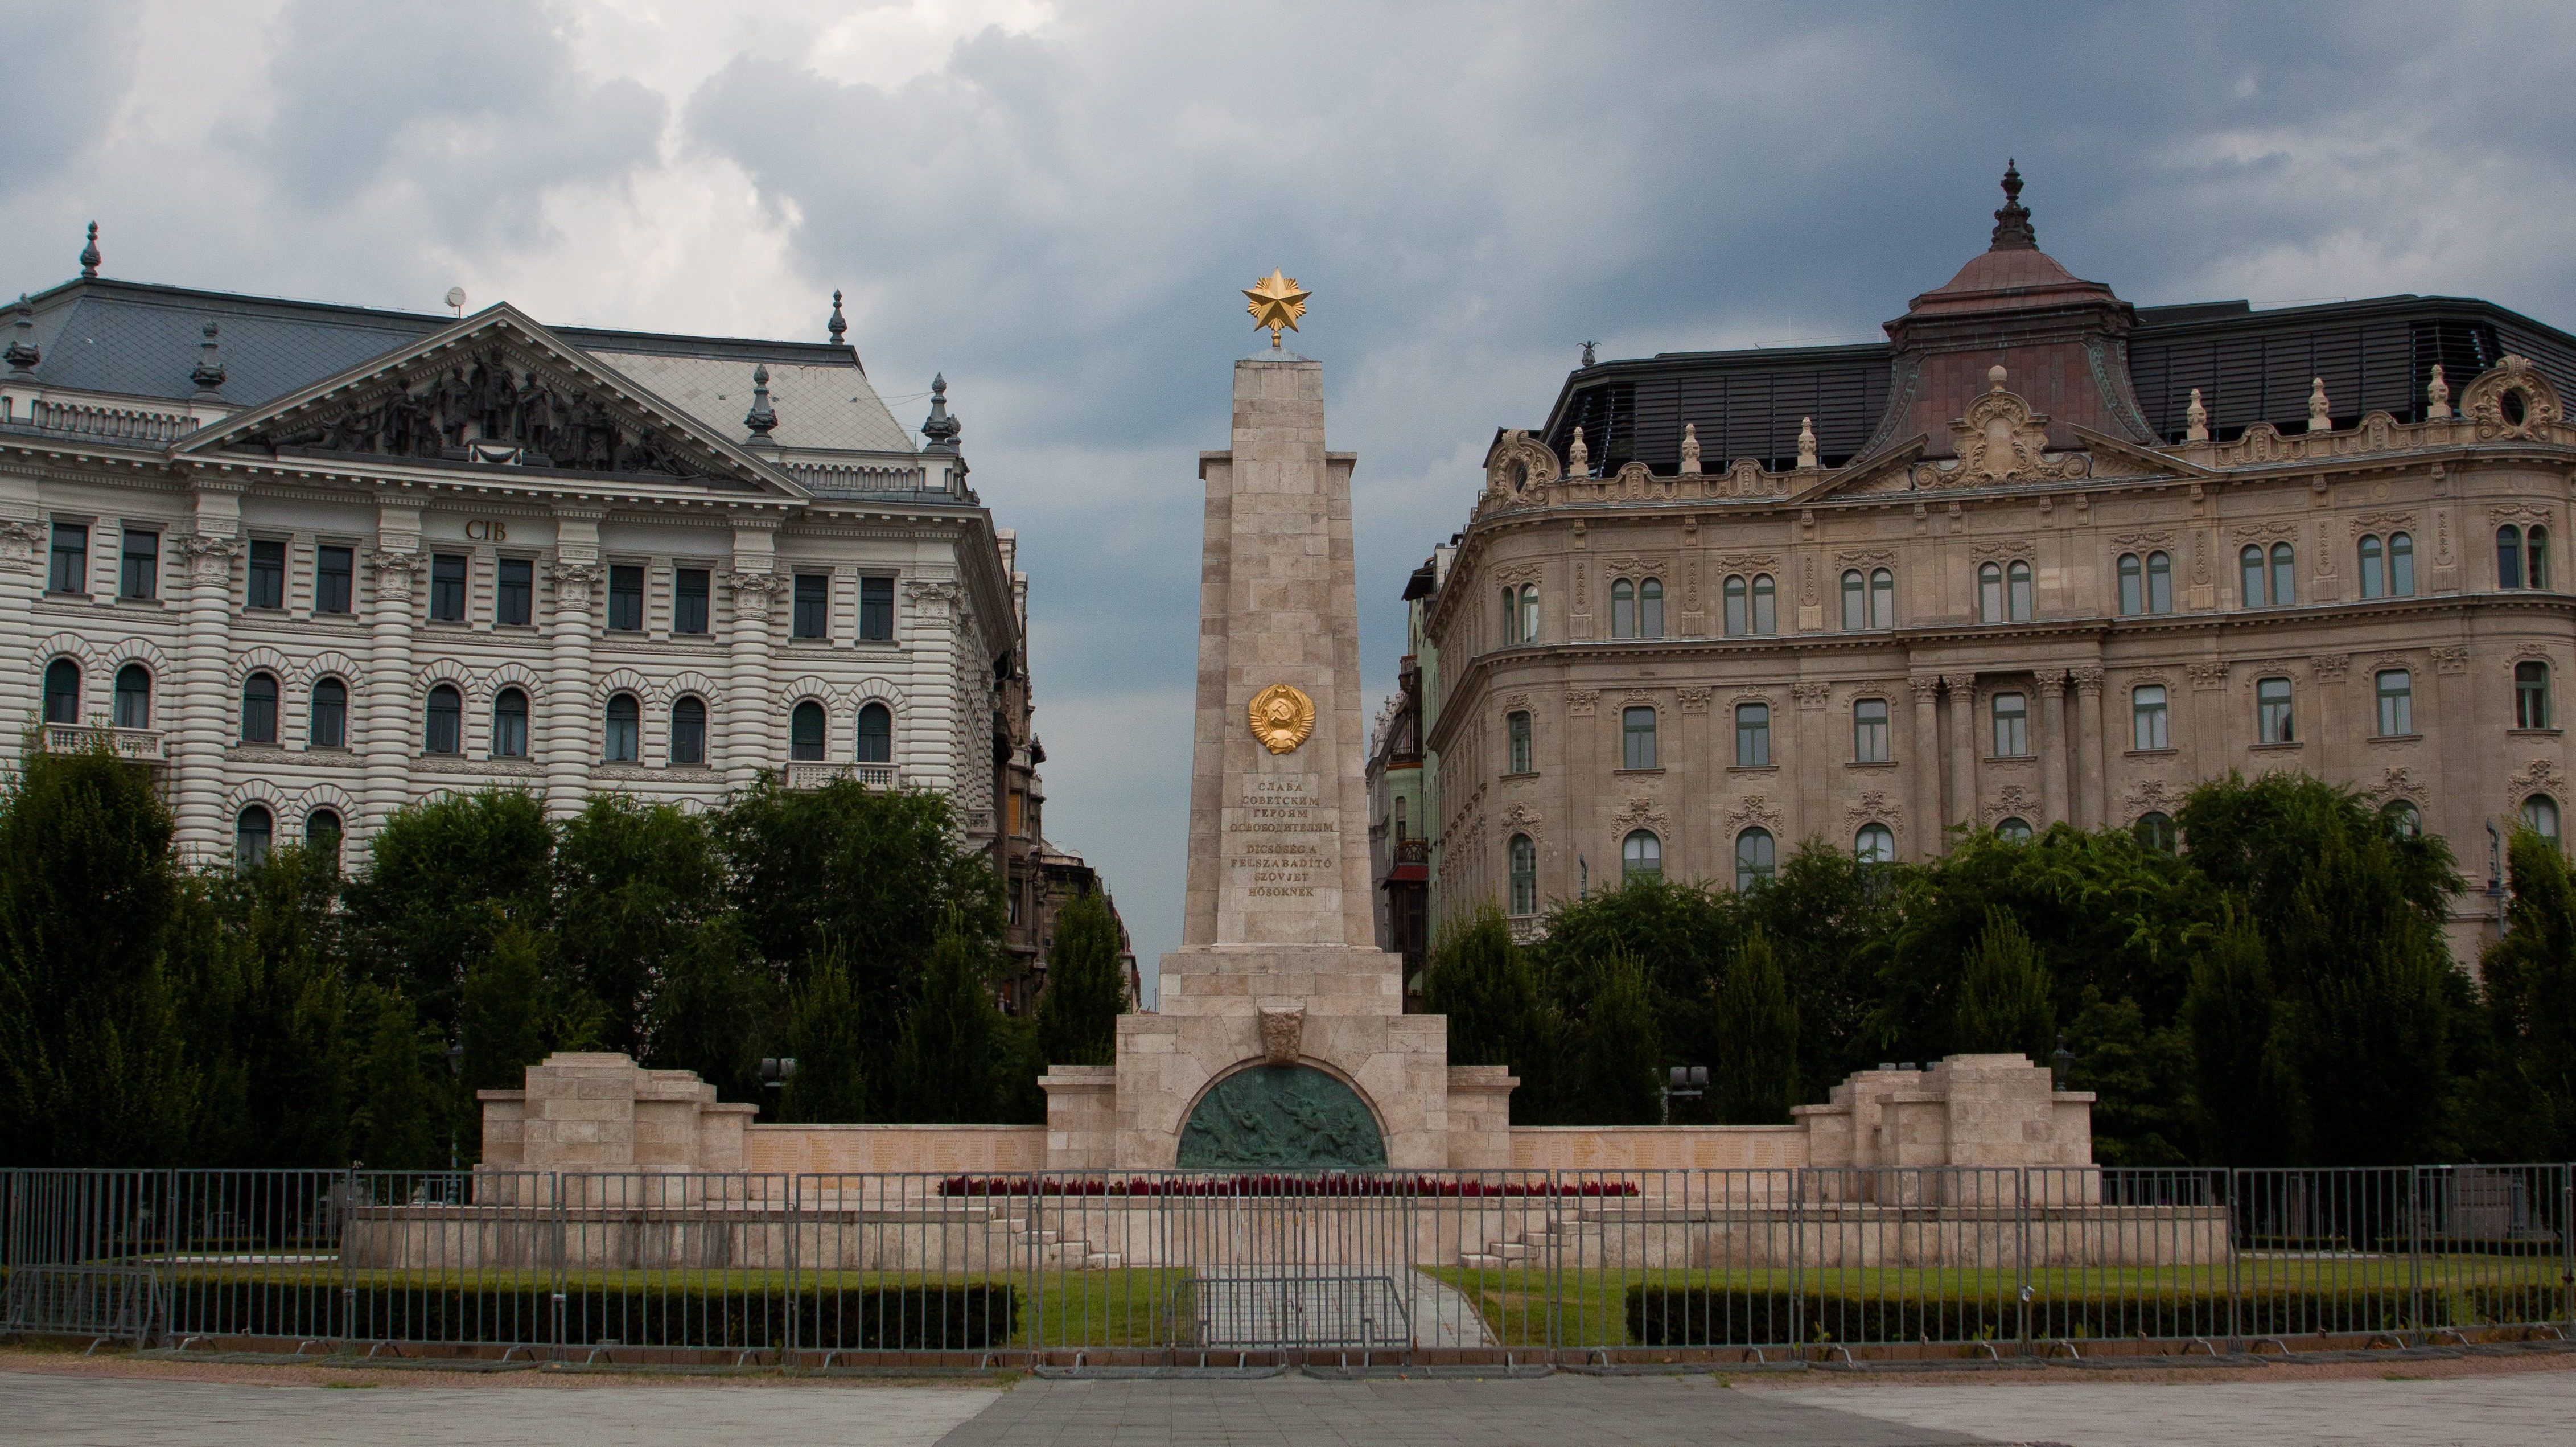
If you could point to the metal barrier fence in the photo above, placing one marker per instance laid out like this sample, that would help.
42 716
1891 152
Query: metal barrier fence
1173 1268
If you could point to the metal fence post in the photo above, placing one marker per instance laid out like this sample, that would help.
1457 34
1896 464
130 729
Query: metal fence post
2567 1244
1797 1257
2021 1251
2232 1189
340 1252
560 1341
2415 1250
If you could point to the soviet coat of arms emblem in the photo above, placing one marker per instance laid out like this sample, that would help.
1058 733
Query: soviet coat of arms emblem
1282 718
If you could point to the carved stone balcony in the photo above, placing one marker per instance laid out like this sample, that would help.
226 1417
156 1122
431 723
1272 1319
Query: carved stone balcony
142 746
816 775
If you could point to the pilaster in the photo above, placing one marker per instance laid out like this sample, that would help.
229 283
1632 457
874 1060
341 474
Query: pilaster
1963 747
2052 745
1925 766
205 650
2089 782
397 564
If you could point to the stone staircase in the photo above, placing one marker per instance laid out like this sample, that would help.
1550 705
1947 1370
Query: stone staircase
1057 1252
1566 1237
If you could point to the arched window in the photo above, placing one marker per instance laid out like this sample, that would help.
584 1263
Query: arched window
322 831
2284 587
446 732
327 726
253 831
1511 616
2013 829
1882 598
2147 722
624 742
805 732
1990 593
2396 703
1650 608
1756 859
2401 565
62 692
2133 586
1753 735
510 725
2249 565
2540 814
1516 733
2530 695
1766 605
1529 612
1524 875
1855 601
2401 818
2508 556
876 734
2019 602
2012 725
1869 731
134 697
1739 606
689 730
1641 856
2155 830
1623 609
259 709
2272 712
2374 566
2535 547
1874 844
2159 582
1637 738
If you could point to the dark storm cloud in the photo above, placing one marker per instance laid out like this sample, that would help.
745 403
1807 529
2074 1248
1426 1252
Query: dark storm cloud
73 62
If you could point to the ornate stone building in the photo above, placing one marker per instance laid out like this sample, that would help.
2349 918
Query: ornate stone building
310 563
2041 556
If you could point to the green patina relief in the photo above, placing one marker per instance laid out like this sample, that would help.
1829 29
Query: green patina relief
1282 1118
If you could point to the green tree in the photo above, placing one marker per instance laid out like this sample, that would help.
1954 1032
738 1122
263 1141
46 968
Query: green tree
711 1010
1617 1066
442 879
1487 987
396 1124
943 1069
1676 935
2530 977
1754 1080
826 1038
635 885
502 1014
258 961
1823 915
2246 1095
1086 986
2004 995
93 1061
2138 1119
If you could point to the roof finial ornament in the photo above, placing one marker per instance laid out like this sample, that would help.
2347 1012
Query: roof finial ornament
2437 392
2320 416
1690 448
22 355
1578 458
2013 231
2195 419
836 327
762 417
89 257
1587 354
1806 442
939 430
209 375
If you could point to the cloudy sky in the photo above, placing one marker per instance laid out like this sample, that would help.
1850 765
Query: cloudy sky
1055 204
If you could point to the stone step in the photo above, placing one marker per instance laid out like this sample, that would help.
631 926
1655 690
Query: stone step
1104 1260
1475 1261
1508 1250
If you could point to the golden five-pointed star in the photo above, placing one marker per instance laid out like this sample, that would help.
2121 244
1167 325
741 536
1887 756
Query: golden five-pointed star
1276 302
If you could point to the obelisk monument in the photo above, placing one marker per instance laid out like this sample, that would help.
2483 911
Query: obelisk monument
1281 1041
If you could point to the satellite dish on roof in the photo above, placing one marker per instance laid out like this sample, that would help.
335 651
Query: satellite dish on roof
456 299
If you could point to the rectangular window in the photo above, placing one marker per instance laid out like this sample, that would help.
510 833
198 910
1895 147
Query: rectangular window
267 573
876 609
2272 711
2531 695
139 570
1637 738
514 601
2012 725
689 600
2396 703
1753 735
1518 726
70 570
813 618
447 587
334 571
2148 724
1869 731
625 598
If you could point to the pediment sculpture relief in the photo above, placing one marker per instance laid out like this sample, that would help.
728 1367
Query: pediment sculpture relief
1521 465
2000 440
487 411
2511 400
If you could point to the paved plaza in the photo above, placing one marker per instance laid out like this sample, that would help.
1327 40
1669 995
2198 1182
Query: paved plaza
60 1405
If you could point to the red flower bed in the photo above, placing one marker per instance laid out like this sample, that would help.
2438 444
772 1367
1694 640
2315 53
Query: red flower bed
1337 1184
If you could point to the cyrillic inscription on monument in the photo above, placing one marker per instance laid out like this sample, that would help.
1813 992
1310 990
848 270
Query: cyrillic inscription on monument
1284 840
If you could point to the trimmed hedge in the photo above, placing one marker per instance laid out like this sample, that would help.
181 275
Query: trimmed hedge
1714 1316
911 1318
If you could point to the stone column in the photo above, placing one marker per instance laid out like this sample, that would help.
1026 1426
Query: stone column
22 582
571 739
751 718
203 699
1963 747
2089 782
2052 746
1925 766
389 737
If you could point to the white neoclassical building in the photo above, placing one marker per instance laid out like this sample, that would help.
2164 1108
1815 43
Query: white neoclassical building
310 562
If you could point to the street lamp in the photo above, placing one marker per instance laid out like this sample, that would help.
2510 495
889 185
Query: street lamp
2061 1062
